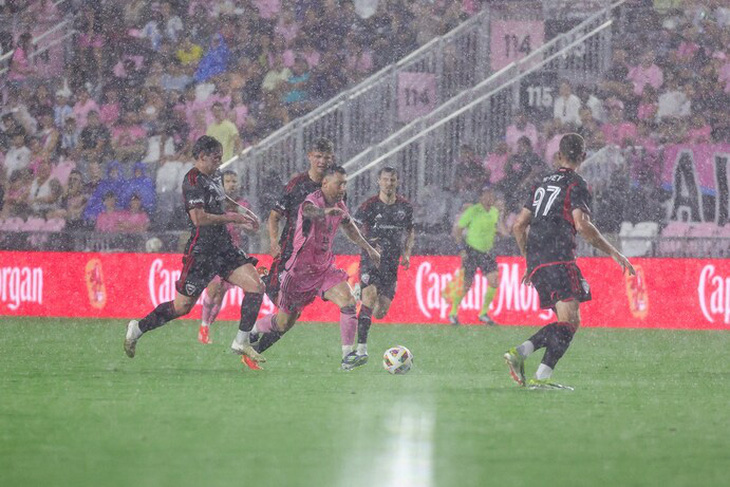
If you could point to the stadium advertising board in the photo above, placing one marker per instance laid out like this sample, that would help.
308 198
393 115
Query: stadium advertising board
667 293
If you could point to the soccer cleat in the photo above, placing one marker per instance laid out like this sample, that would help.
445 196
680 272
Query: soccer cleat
247 350
516 364
130 340
546 385
203 336
352 360
487 320
251 364
454 319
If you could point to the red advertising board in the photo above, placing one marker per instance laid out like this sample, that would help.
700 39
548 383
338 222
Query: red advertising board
667 293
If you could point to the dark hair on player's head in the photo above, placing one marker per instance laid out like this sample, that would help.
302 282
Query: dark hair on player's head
206 145
230 172
573 148
335 169
323 144
389 170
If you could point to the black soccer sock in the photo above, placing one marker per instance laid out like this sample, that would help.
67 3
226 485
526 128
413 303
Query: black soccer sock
250 310
364 320
540 339
267 340
558 343
162 314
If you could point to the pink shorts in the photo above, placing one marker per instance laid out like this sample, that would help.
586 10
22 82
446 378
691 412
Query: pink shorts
297 291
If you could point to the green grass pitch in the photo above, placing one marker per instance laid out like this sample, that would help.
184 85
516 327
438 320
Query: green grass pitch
650 407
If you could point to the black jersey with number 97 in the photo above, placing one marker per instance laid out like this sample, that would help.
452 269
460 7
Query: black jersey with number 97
551 238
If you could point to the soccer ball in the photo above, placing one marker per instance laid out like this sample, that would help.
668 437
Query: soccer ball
398 360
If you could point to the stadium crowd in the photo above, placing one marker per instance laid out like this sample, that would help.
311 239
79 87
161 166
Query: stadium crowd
143 79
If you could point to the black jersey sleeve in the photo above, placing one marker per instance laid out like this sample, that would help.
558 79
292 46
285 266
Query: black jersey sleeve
193 192
283 202
530 198
580 197
364 216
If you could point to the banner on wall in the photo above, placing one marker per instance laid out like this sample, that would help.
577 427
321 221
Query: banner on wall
416 95
666 293
698 177
512 40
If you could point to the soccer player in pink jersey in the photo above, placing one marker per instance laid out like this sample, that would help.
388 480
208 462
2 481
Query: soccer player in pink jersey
310 271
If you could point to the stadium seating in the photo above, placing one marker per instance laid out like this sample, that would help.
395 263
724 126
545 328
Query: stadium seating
638 240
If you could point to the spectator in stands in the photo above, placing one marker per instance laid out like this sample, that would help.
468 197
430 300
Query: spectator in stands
225 132
94 139
648 104
128 137
135 218
69 147
616 130
109 218
175 78
18 157
113 183
89 50
646 73
469 174
215 61
8 130
72 203
522 168
15 203
326 81
84 104
567 105
496 162
276 77
61 110
20 67
45 190
673 101
521 127
141 186
588 126
297 97
41 101
3 186
48 134
615 78
110 107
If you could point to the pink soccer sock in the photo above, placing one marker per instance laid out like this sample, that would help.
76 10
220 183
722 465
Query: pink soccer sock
348 325
265 324
210 310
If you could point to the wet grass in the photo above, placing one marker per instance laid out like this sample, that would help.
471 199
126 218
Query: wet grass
650 408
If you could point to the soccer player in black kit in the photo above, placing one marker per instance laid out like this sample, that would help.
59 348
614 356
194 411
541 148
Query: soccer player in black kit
321 156
209 252
559 206
386 221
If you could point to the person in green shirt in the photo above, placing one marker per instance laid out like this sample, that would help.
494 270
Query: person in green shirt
225 132
480 222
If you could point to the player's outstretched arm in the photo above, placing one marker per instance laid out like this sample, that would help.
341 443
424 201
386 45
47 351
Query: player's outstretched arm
410 240
590 233
353 233
519 229
201 218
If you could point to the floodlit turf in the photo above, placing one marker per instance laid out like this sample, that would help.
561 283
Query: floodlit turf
650 408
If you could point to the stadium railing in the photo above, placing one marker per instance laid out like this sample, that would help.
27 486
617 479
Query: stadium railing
43 42
424 151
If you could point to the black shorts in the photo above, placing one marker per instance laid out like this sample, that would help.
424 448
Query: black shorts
203 263
560 282
475 259
385 278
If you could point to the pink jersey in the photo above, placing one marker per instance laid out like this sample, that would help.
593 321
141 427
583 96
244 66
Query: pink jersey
313 239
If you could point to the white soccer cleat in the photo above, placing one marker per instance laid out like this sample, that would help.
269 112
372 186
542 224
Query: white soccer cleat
247 350
130 340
